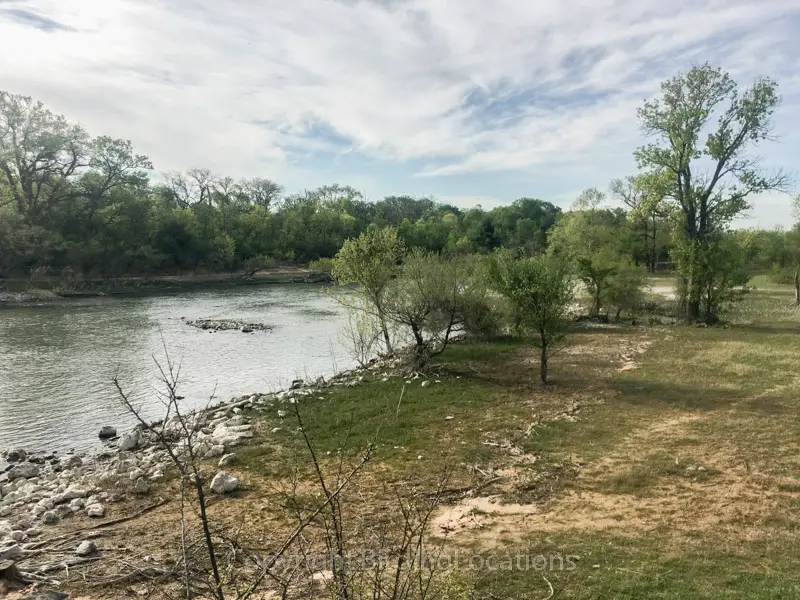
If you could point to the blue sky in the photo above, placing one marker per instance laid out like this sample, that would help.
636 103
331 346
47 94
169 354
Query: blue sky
472 101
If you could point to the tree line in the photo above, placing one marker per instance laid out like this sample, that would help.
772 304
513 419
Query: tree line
73 205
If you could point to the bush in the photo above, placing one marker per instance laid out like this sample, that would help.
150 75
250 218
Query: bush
321 265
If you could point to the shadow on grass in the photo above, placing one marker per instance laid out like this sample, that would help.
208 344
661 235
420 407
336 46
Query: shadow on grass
653 393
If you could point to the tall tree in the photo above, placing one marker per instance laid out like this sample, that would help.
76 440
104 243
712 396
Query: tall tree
371 260
39 153
681 120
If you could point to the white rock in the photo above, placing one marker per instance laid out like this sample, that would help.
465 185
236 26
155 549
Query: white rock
425 383
96 511
158 475
33 532
5 528
86 548
216 450
17 536
224 483
130 441
77 504
227 460
73 492
136 474
5 511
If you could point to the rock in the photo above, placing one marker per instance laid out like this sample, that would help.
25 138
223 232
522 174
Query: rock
137 473
246 330
224 483
425 383
141 486
217 450
33 532
16 455
77 504
73 492
26 470
5 528
282 414
158 475
47 595
71 462
96 511
86 548
17 536
130 441
11 551
227 460
5 511
297 384
49 518
64 511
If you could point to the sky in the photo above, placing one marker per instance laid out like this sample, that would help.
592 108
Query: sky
471 101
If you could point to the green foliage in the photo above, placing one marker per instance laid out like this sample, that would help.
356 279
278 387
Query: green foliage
371 260
720 266
322 265
706 202
591 240
626 288
540 289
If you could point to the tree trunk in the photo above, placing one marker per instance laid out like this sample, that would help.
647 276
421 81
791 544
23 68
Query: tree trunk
797 287
543 361
386 339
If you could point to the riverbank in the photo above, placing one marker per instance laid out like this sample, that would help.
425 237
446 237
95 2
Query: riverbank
661 463
22 292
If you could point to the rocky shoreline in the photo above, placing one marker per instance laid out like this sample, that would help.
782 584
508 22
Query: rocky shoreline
41 490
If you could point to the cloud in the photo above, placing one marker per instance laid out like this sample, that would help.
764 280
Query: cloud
546 91
31 19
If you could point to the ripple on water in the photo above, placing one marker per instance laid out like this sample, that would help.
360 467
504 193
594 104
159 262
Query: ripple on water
57 362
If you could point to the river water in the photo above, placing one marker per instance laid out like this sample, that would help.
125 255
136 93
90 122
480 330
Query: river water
57 361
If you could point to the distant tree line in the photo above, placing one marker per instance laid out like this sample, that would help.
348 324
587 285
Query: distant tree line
90 206
76 206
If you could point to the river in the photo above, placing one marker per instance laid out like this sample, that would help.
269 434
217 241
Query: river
57 361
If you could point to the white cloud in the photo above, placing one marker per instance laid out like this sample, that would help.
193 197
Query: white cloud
262 86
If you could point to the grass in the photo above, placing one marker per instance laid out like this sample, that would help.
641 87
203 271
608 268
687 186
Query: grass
665 458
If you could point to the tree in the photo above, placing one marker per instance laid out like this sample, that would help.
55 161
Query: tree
589 238
647 212
371 260
540 289
39 153
262 192
626 287
707 199
433 297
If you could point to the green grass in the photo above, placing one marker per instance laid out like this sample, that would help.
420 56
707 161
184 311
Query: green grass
692 453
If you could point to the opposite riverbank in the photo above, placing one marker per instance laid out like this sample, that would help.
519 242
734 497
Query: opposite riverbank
24 292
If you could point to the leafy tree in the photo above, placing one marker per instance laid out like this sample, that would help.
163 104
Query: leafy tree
39 154
541 290
590 239
626 288
371 260
687 140
433 297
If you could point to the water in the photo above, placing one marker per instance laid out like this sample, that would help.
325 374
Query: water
57 361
